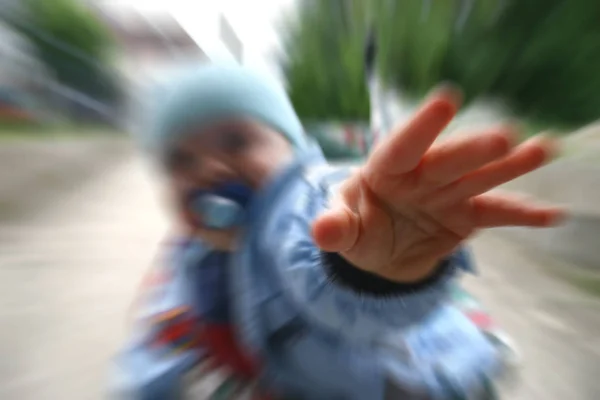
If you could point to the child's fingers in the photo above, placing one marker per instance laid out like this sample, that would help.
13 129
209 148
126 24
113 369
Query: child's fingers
524 159
402 152
336 230
452 159
494 210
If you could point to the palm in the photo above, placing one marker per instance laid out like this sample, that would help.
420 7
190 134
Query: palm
414 201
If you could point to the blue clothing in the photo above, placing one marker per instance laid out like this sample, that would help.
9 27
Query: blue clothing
315 338
211 290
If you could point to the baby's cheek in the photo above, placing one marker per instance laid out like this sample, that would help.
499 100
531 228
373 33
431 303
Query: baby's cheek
262 167
190 220
252 170
180 207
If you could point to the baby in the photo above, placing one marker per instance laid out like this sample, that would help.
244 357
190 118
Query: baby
296 287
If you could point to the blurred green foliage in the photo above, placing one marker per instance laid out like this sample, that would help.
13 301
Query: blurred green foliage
334 150
72 43
541 56
324 66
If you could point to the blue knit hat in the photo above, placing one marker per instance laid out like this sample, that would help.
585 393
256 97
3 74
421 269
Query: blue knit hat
210 93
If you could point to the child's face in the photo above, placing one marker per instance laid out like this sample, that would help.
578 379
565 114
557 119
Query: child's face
230 151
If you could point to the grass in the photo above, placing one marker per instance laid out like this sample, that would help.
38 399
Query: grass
582 278
586 281
532 128
591 286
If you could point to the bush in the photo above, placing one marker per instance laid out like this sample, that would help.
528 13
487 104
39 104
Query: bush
542 57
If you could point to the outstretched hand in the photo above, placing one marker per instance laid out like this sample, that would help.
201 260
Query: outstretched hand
415 201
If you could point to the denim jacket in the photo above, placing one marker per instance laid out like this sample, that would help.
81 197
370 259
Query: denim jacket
316 339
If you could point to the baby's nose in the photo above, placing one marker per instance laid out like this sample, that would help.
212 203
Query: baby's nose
213 171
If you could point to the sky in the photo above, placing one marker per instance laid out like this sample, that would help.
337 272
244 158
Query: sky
255 22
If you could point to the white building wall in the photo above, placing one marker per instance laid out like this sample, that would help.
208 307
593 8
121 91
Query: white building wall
203 24
256 23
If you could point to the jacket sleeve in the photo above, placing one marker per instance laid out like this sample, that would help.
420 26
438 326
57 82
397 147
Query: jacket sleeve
333 292
159 351
451 357
145 373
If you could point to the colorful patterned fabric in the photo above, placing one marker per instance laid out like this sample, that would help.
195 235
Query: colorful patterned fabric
175 330
472 308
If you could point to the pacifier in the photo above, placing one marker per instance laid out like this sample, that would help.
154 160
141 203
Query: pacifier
223 207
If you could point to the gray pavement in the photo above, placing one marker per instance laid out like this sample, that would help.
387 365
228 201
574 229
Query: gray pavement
69 270
67 276
556 326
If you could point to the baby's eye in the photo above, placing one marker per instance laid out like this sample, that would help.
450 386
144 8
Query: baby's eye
233 142
179 160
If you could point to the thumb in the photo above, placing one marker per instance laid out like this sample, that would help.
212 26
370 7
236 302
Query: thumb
336 230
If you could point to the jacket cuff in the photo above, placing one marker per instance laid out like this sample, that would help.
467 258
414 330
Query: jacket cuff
343 273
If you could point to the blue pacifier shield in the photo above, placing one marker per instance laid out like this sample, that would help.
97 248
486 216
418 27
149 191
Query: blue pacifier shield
222 207
218 212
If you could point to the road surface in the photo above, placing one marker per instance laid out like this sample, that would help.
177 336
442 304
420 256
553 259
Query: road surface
68 272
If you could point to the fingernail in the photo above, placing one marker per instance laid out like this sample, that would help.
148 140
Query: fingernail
449 90
552 145
559 217
510 132
549 145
